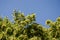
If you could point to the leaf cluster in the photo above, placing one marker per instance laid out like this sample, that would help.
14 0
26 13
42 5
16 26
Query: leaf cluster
26 28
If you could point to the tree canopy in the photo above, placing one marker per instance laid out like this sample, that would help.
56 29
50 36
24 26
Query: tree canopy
26 28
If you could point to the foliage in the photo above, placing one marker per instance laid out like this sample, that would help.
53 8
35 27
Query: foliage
26 28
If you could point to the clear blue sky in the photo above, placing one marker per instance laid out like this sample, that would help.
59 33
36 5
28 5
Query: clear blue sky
44 9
